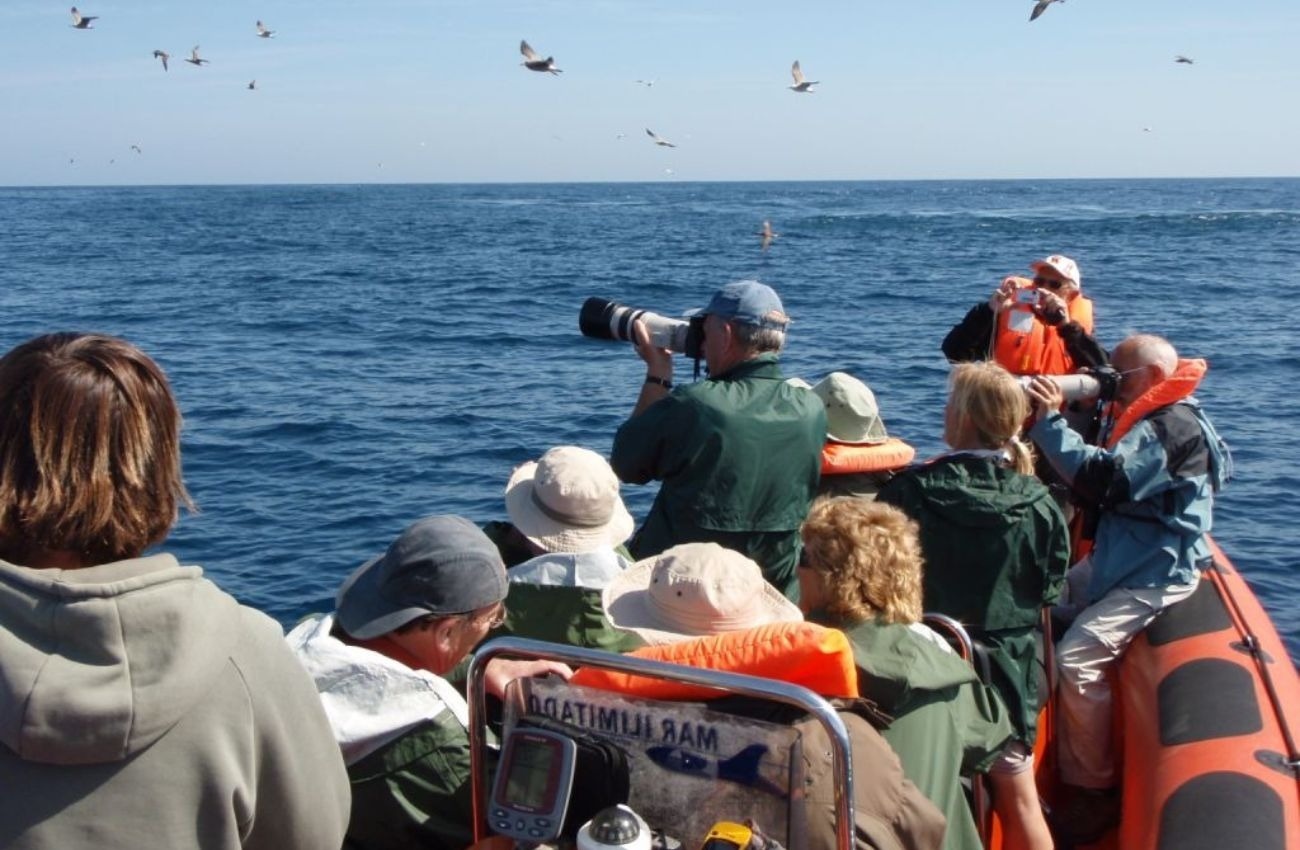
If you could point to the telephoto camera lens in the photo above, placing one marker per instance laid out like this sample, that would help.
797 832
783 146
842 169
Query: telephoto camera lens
601 318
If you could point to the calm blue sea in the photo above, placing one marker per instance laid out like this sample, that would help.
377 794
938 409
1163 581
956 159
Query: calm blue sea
350 358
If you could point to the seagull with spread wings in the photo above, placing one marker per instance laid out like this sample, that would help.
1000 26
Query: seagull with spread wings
658 139
194 57
82 22
533 62
1041 6
1183 60
766 235
800 84
162 55
263 32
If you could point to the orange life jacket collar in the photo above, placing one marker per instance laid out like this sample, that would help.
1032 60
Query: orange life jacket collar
1178 386
842 458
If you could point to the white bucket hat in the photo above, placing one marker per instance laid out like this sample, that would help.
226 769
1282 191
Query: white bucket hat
852 415
568 501
691 590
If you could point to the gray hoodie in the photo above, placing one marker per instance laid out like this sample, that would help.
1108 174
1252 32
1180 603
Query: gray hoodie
141 706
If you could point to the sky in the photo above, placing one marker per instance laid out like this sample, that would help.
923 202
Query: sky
361 91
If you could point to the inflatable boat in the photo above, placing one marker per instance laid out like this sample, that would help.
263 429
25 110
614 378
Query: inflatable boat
1207 714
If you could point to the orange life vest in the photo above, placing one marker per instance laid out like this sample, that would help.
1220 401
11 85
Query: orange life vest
818 658
842 458
1025 345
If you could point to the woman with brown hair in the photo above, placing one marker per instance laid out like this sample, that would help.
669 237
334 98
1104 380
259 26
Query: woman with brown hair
996 549
861 573
144 707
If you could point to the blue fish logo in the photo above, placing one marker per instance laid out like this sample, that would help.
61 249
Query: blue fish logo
742 768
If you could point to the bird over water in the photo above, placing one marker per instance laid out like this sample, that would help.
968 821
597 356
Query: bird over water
800 84
1041 6
658 139
533 62
82 22
194 57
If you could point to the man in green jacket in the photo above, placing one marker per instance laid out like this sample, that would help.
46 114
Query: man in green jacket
402 622
739 454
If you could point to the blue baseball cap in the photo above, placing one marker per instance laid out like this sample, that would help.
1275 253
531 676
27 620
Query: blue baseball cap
441 565
748 302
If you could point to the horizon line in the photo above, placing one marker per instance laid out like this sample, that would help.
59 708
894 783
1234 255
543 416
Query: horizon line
660 182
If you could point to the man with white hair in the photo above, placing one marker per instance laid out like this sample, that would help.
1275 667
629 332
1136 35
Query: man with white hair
1153 481
739 454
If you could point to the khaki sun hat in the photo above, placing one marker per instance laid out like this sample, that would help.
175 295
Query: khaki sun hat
691 590
852 415
568 501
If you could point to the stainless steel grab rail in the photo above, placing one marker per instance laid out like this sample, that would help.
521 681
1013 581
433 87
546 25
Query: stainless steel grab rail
737 683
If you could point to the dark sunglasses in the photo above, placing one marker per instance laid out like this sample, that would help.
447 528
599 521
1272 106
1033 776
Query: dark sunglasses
1049 282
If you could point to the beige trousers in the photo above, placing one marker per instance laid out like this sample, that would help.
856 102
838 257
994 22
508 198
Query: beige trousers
1093 642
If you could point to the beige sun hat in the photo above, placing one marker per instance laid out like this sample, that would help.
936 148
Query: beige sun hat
1063 266
568 501
852 415
694 589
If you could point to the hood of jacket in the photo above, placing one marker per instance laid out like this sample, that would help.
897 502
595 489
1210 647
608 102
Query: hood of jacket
902 662
98 663
369 698
974 490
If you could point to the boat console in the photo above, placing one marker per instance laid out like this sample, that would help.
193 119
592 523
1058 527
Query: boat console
690 773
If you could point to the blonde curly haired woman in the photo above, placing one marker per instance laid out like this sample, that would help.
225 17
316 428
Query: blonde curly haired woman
996 548
861 573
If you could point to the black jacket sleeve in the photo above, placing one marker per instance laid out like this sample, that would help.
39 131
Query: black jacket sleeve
1082 346
971 339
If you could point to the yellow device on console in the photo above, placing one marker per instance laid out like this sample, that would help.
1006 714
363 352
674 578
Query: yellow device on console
728 835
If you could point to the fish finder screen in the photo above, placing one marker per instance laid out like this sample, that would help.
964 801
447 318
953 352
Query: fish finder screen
528 783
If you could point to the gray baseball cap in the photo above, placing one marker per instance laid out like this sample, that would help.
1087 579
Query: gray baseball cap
440 565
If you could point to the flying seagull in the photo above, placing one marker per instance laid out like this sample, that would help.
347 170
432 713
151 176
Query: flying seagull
1183 60
136 148
1041 6
163 55
194 57
766 235
533 62
82 22
800 84
263 32
646 83
252 85
659 140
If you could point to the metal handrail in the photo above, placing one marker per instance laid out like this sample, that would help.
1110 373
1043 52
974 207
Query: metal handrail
738 683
